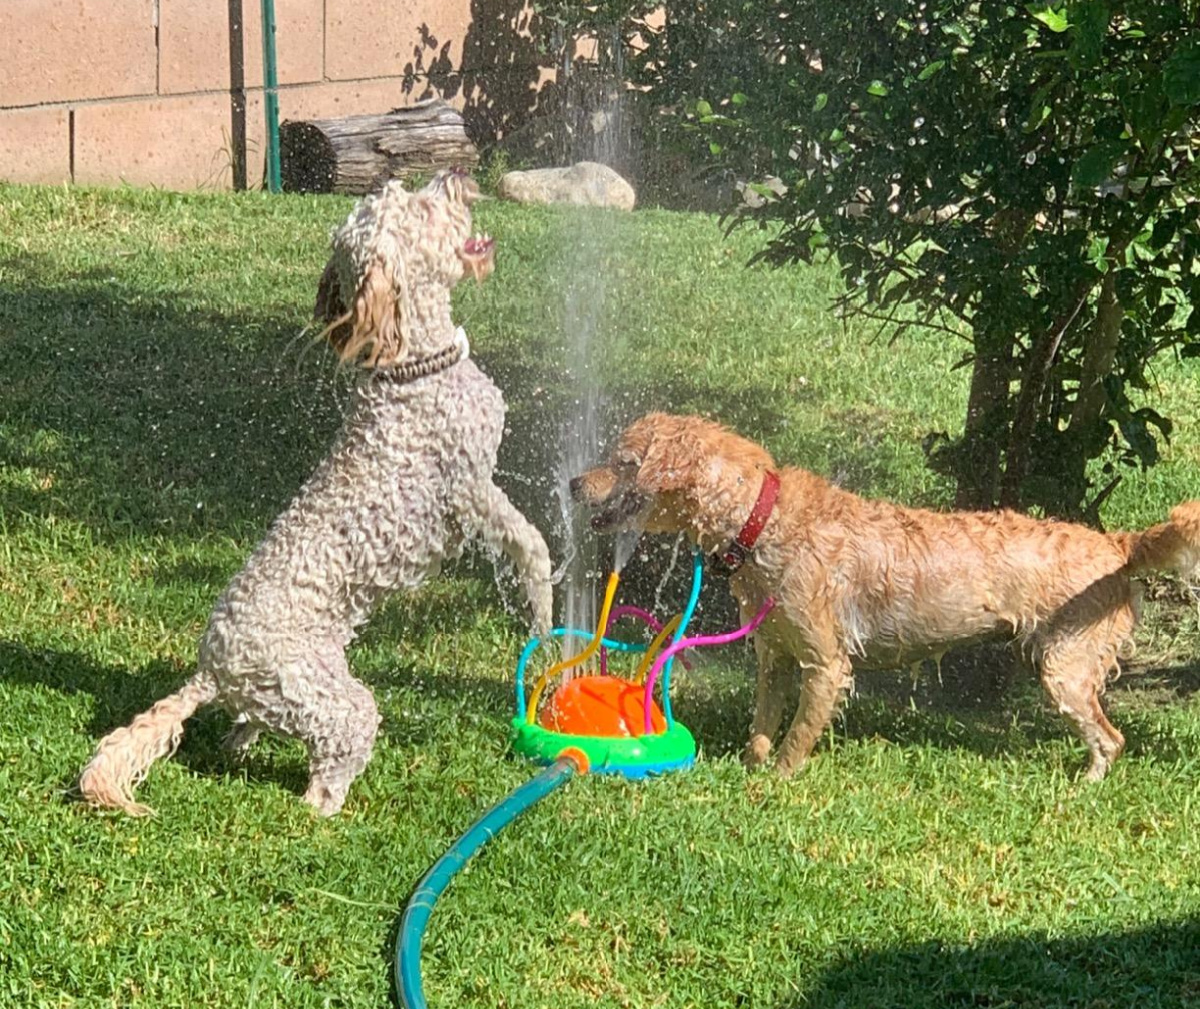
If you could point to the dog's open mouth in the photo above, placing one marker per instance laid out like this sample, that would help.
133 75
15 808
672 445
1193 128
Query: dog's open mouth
478 255
479 246
616 514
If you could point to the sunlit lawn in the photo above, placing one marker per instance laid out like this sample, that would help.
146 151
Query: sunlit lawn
158 406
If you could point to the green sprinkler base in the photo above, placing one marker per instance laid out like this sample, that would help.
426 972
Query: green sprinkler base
631 756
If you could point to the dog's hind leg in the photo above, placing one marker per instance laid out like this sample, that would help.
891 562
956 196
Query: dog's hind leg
332 713
340 749
241 736
340 742
1074 668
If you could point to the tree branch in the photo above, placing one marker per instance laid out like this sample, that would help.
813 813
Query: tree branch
1033 385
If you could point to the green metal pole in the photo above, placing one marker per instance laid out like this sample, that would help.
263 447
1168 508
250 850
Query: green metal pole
271 96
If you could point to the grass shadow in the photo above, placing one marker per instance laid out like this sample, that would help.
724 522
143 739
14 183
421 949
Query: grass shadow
137 412
119 694
1033 971
985 702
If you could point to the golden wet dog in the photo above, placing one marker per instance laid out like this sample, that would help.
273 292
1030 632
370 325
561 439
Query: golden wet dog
879 585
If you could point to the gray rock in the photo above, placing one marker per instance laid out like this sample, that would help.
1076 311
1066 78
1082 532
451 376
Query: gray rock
586 184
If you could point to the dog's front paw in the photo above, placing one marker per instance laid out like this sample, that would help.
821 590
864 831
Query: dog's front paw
542 605
539 591
757 752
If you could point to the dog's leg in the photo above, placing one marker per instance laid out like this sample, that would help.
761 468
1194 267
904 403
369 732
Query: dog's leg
1074 668
340 737
241 736
340 747
826 679
502 527
771 689
316 700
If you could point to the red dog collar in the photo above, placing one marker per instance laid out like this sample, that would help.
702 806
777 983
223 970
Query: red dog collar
738 550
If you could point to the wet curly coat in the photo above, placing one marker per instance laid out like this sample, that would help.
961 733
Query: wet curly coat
408 480
880 585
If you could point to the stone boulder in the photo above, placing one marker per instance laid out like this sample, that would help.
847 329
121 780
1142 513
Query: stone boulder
586 184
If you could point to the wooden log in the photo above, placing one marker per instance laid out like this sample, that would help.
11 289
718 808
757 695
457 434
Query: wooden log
358 154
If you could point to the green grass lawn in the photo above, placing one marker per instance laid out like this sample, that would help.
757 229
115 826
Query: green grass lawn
158 406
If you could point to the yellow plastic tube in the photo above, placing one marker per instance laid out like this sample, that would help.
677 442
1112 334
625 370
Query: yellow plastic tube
593 646
655 645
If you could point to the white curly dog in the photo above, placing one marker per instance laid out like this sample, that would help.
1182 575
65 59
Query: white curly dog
408 481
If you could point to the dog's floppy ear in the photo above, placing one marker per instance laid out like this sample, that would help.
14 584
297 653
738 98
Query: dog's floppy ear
372 328
329 310
462 187
667 462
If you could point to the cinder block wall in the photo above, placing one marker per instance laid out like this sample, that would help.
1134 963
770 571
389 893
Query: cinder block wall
169 92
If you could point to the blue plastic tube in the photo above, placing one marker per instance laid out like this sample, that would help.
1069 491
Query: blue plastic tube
420 905
621 646
688 612
562 632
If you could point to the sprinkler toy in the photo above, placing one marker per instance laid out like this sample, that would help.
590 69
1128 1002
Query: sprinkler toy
600 723
615 723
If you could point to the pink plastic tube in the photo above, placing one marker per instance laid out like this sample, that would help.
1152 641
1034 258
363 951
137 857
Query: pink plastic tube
699 641
631 611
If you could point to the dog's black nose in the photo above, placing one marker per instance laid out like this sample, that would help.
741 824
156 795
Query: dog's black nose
576 486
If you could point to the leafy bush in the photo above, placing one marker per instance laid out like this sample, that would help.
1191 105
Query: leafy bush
1021 177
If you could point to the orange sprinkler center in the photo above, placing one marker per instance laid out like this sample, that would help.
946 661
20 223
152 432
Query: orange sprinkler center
600 706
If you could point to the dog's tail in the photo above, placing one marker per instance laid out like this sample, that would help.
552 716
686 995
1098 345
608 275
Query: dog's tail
1173 545
124 756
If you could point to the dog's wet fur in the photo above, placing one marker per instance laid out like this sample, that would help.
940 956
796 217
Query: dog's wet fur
875 585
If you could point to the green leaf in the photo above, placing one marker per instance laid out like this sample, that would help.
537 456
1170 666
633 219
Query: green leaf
821 102
1091 28
1163 315
1042 104
1097 164
1181 74
738 98
703 108
1146 109
1138 437
877 88
1164 231
1037 116
714 147
1054 18
931 69
763 190
958 31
